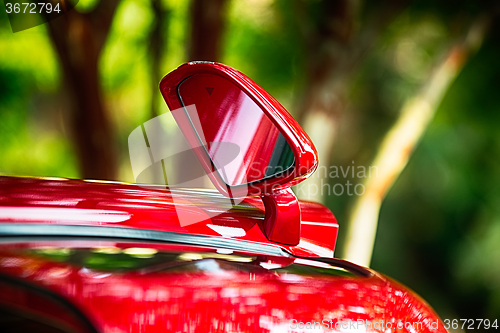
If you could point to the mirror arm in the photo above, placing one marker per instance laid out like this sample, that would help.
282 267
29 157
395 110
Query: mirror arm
282 217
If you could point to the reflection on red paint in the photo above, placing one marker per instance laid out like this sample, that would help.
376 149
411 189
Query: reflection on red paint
228 115
208 292
192 212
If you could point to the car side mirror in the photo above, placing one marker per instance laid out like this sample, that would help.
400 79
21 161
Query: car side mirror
245 140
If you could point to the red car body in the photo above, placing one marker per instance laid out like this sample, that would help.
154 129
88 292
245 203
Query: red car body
91 256
61 261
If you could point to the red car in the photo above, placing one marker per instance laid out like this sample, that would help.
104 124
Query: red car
94 256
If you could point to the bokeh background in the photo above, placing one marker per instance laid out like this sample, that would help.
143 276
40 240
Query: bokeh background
412 87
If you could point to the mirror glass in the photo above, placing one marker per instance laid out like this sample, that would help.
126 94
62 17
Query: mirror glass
244 144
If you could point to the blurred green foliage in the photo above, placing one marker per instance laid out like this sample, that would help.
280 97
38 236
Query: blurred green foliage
439 229
32 135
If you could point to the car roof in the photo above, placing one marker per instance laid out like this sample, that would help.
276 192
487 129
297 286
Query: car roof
65 207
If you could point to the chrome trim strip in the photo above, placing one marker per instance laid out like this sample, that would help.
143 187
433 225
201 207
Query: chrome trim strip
35 229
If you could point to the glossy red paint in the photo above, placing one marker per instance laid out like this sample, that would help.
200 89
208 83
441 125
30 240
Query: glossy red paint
229 124
205 291
282 220
223 96
306 159
120 205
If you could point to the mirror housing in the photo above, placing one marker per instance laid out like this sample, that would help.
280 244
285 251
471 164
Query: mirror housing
282 216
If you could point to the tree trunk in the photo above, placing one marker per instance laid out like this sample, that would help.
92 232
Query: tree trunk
335 48
79 39
157 42
207 27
